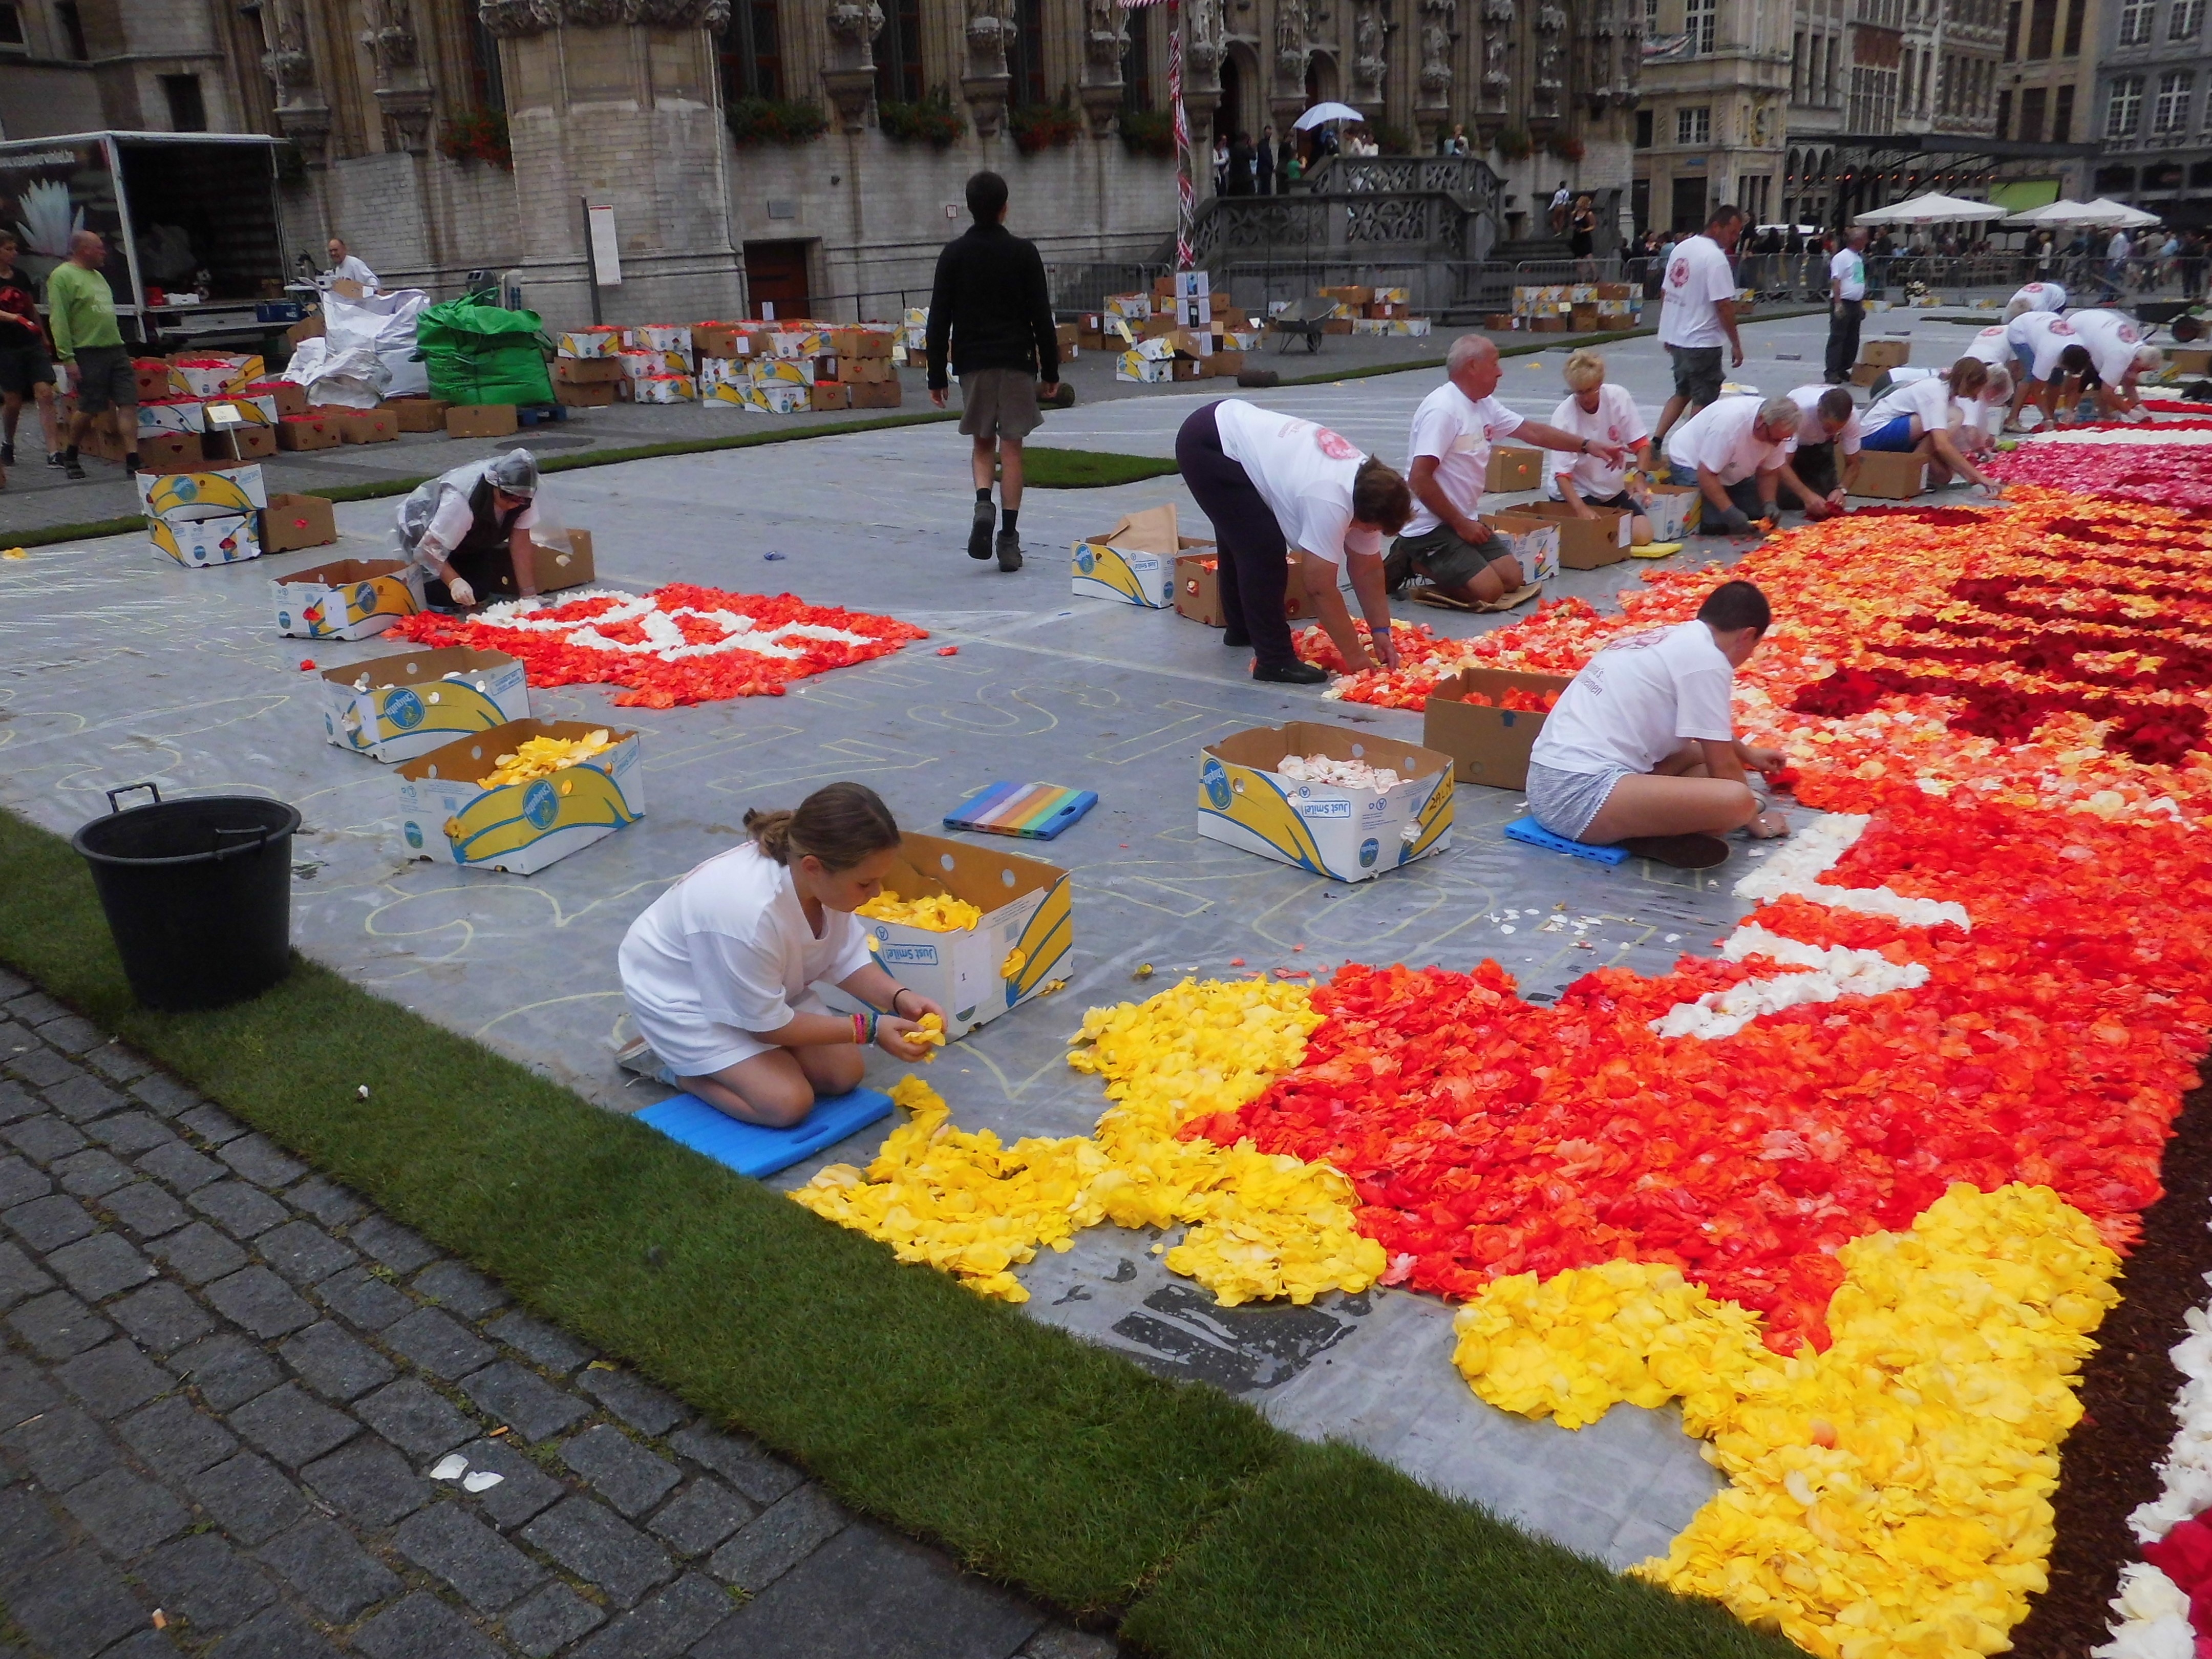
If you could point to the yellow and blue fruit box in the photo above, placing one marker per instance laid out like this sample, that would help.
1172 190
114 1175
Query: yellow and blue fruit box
1347 834
212 376
394 708
1136 367
207 518
798 343
172 415
258 410
638 362
787 371
664 337
774 397
1020 946
346 599
602 342
1135 307
1134 562
447 816
666 389
721 371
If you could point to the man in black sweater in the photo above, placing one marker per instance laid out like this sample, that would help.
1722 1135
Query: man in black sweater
991 305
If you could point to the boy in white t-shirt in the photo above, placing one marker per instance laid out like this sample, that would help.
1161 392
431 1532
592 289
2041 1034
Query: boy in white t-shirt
1641 750
718 971
1454 428
1595 409
1699 315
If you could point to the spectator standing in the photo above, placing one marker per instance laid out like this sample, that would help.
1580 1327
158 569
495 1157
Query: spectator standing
1286 165
1457 144
1846 307
2191 264
990 306
1263 162
1561 201
80 309
2116 268
25 368
1220 164
1240 165
1699 315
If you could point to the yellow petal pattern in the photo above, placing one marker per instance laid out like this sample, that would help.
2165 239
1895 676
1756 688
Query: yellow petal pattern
1889 1498
1265 1226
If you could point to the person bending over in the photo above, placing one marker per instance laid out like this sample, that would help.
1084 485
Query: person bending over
1279 491
1446 540
1734 452
1826 461
2053 368
719 969
470 529
1641 750
1921 418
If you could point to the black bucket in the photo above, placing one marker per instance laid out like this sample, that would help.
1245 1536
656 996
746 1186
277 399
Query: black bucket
197 892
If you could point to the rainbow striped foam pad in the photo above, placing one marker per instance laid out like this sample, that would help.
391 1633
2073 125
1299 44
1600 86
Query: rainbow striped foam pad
1035 811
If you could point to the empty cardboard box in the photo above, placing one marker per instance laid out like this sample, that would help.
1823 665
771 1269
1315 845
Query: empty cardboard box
1197 590
1134 562
289 523
346 599
1890 476
482 420
394 708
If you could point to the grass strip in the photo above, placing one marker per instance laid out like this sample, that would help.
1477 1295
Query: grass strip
1031 1455
1331 1554
1090 469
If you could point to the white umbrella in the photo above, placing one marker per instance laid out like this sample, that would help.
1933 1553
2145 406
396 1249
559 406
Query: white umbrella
2051 212
1322 114
1931 209
2110 212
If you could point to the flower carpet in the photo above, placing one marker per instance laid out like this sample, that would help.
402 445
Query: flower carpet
1858 1187
678 644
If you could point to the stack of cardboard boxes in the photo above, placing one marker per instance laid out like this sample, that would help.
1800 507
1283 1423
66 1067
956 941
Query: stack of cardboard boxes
197 409
1180 330
1386 310
1575 307
791 367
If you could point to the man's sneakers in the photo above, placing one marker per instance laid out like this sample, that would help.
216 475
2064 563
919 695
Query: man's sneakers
58 460
1009 550
70 466
979 531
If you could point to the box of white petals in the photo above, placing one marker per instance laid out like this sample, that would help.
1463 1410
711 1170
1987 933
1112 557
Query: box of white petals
1342 804
394 708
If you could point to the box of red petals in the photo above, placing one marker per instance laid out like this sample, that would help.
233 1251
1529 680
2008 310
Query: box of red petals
1486 719
1347 804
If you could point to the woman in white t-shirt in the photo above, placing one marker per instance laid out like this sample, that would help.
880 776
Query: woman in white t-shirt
1282 491
1594 408
1641 749
1922 417
719 969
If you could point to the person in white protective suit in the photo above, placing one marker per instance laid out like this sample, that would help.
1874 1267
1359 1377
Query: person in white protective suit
469 528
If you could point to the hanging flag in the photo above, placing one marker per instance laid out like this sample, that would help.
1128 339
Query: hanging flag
1185 190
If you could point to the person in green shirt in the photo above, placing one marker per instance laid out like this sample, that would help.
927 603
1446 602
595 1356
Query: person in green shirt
81 314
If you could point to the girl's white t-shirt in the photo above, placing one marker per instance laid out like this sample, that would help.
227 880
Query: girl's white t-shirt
729 944
1614 421
1931 400
1303 473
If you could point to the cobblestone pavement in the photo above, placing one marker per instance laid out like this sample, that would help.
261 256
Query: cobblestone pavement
244 1415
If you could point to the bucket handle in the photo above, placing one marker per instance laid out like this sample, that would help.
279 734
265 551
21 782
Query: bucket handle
153 789
221 851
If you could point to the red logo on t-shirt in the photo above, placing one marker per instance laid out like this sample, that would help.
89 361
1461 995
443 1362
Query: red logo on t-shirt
2128 334
1336 448
2062 326
1678 272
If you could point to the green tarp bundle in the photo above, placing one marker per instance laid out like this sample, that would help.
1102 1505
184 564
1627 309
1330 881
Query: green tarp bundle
477 353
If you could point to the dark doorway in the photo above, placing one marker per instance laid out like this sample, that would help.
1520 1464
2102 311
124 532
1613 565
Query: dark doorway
1689 205
1230 112
1639 204
775 274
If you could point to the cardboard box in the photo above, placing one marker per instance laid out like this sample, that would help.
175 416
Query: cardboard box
308 328
2190 359
601 341
210 516
172 452
1534 542
1551 323
394 708
1356 298
365 426
1188 368
665 389
867 371
780 371
1586 543
715 339
1136 367
1487 745
1890 476
875 394
1133 306
861 341
1885 354
480 421
204 375
1583 319
240 408
1512 467
777 398
563 561
1676 510
591 371
418 414
347 598
675 337
446 815
1198 591
307 431
1351 834
1134 562
584 396
172 415
830 395
1028 908
1226 365
155 383
239 443
289 523
291 397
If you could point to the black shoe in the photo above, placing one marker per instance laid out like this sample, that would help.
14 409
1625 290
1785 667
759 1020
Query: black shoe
979 533
1296 673
58 460
1234 641
7 454
72 470
1689 852
1009 550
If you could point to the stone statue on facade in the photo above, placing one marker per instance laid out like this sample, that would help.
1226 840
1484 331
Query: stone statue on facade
1550 79
1498 17
1290 44
1368 65
1105 35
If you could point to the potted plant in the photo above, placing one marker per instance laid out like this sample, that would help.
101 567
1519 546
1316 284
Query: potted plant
774 121
477 134
1043 126
1567 148
1148 131
1515 145
933 120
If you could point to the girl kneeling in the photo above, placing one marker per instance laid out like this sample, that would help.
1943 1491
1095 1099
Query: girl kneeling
718 971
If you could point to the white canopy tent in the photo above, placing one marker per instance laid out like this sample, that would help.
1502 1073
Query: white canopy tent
2120 213
1931 209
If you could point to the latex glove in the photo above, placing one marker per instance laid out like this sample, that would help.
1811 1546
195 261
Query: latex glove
463 594
1734 521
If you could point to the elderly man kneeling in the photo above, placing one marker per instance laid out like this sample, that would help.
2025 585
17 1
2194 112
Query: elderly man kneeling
1733 450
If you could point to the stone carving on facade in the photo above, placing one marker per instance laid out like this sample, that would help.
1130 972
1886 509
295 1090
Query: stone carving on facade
524 17
1206 41
1368 64
1549 82
1626 83
390 37
1496 50
850 76
1436 19
990 32
302 114
1105 39
1291 47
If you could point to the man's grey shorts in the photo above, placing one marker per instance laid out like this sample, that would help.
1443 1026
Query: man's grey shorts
1445 559
1565 802
1697 371
998 403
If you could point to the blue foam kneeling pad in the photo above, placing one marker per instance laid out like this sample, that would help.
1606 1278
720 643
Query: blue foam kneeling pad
755 1151
1535 835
